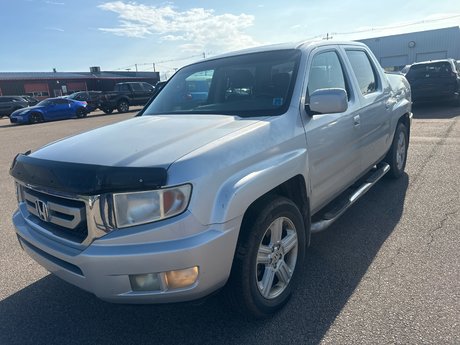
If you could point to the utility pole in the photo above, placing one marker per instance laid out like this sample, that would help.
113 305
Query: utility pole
136 67
154 66
328 37
204 55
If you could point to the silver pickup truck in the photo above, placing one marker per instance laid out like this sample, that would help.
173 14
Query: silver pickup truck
219 185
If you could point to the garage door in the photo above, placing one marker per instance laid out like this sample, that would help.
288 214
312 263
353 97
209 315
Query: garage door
37 90
393 61
76 86
431 56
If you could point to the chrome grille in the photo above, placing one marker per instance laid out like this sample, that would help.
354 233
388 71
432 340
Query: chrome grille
63 217
74 219
59 214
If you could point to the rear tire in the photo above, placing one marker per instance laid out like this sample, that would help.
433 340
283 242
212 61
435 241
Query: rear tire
397 155
268 259
35 118
123 106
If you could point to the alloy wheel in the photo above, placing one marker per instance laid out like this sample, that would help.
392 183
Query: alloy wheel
276 258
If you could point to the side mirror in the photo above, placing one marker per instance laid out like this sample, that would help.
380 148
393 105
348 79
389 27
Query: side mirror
329 101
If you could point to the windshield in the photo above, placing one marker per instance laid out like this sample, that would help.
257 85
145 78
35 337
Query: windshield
435 69
73 95
45 102
258 84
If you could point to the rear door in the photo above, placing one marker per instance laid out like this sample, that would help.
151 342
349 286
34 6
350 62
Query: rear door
374 116
141 95
334 159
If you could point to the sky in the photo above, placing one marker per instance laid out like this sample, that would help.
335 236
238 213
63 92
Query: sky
72 35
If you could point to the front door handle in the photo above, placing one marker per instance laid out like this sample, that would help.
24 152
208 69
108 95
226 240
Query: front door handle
356 121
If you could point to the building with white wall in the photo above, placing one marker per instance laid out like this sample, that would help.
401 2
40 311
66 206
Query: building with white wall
396 51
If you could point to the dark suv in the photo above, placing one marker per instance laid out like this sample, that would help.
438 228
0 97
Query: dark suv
31 100
434 80
8 104
125 95
92 98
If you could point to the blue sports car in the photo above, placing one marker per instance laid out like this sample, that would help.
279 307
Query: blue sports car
50 109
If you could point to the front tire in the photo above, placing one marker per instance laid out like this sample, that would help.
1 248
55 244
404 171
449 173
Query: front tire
268 259
35 118
123 106
397 155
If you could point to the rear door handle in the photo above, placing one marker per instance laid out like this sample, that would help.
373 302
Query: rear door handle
356 121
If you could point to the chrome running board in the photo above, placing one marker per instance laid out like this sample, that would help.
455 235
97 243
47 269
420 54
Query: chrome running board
331 216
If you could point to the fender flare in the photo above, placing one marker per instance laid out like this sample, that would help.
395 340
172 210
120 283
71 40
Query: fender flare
241 190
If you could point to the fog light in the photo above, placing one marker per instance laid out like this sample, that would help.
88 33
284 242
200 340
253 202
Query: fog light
181 278
145 282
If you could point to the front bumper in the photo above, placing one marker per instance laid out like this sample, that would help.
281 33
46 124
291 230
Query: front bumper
103 268
19 119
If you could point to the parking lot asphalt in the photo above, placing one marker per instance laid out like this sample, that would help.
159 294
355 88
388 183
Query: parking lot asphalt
387 272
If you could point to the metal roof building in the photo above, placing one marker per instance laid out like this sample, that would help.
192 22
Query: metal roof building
396 51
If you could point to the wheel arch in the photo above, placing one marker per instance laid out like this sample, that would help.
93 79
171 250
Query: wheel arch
123 99
293 189
39 112
405 119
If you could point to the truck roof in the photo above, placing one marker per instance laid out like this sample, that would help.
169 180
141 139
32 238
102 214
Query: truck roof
303 45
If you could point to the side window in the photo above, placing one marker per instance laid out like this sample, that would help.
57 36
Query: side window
364 71
326 72
124 87
136 87
147 87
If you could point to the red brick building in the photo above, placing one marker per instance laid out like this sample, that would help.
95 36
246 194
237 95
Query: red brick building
54 84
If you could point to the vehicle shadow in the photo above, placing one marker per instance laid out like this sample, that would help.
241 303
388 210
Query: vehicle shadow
5 123
51 311
435 110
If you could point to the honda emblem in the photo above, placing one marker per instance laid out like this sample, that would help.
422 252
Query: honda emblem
42 210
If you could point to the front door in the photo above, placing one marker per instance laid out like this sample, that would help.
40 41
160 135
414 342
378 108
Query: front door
60 109
334 159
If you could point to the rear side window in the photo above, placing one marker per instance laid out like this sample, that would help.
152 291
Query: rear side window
136 87
122 87
364 71
325 73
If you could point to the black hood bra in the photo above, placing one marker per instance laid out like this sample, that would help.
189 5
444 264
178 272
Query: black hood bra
85 179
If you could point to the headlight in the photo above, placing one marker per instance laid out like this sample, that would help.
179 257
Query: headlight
150 206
